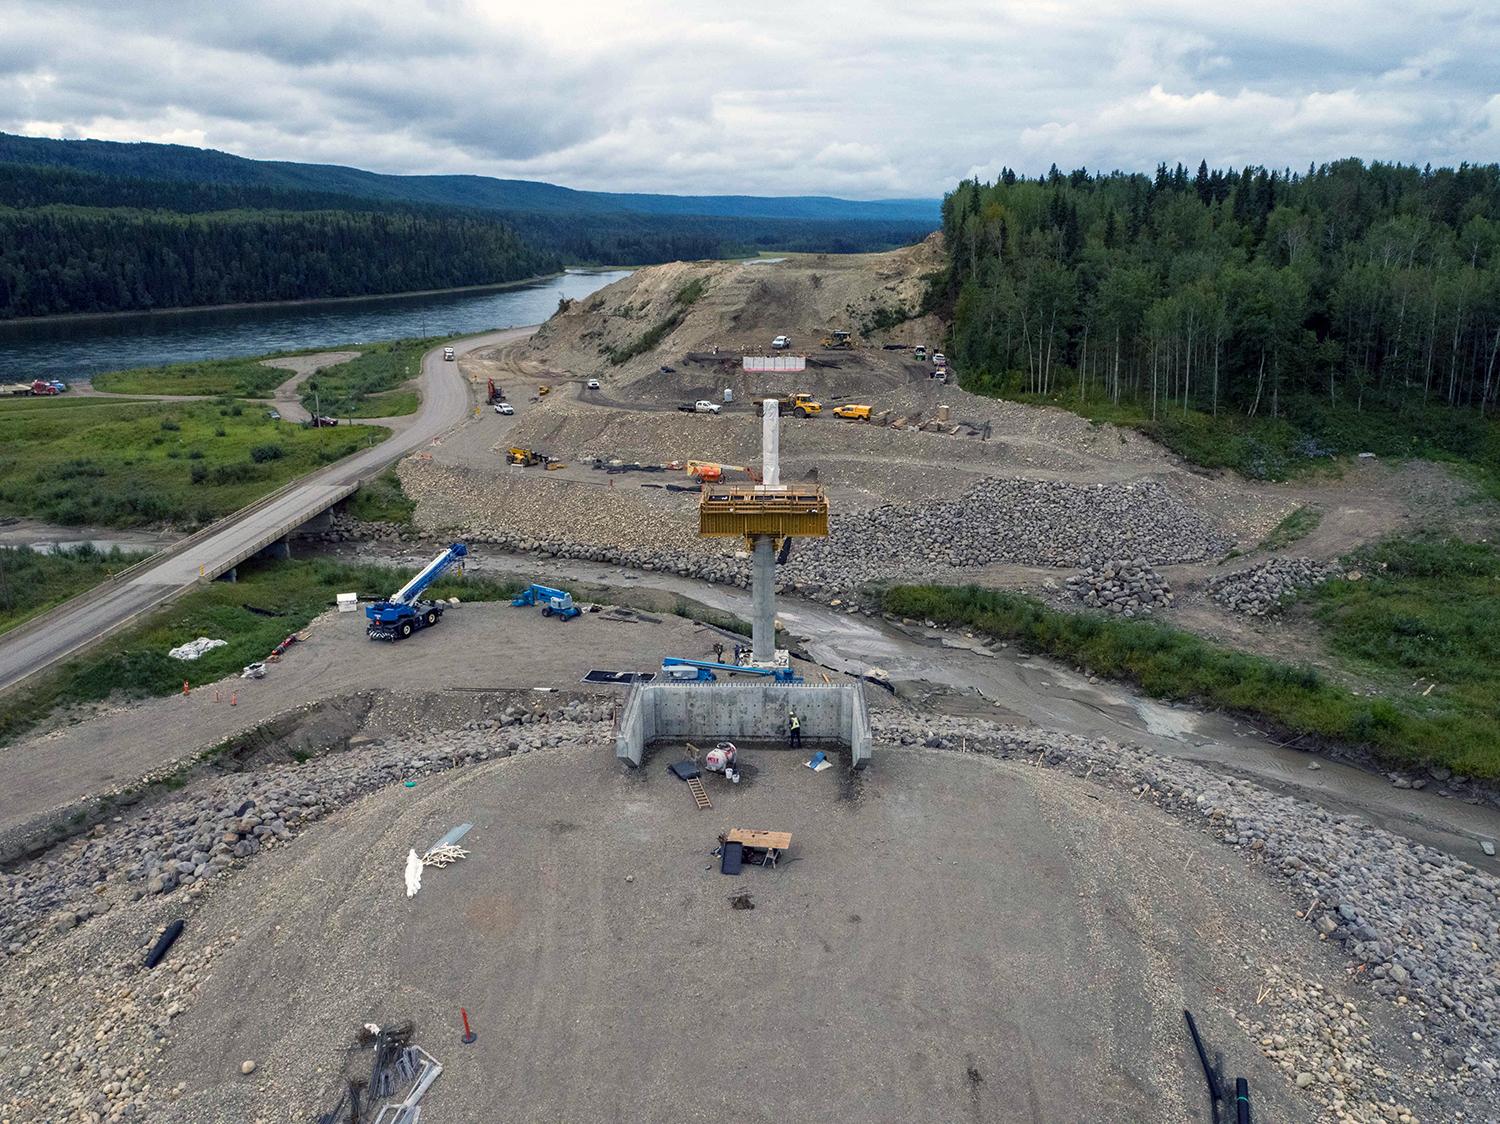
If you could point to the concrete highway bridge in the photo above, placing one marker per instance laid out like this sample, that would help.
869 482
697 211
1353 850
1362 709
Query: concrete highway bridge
216 550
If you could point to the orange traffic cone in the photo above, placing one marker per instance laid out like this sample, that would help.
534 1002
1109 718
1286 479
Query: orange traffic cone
185 690
234 700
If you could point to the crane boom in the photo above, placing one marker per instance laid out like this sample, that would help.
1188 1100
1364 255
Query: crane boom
429 574
405 612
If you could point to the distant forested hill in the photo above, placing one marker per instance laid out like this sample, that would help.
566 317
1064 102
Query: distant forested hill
93 226
206 166
1250 292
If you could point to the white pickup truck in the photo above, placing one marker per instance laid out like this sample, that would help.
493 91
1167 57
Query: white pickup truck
702 406
448 354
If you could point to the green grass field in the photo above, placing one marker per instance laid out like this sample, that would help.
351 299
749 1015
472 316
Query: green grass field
1296 526
1433 612
32 582
382 500
136 663
364 387
242 378
108 463
348 390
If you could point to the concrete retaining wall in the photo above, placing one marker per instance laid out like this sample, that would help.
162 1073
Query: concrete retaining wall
709 712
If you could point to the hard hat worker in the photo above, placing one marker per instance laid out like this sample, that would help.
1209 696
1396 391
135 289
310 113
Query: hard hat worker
794 730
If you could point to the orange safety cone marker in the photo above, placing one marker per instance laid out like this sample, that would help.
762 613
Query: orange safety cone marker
185 690
234 700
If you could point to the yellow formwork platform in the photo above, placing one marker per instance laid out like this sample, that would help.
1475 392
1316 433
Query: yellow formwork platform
745 510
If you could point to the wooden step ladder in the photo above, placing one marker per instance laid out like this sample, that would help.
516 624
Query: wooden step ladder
700 794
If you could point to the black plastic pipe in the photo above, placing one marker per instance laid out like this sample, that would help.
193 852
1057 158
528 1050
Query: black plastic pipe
1215 1090
1242 1099
163 944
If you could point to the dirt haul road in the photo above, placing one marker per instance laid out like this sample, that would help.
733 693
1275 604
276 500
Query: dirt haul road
29 649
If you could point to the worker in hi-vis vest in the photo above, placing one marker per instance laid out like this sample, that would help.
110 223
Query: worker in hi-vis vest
795 730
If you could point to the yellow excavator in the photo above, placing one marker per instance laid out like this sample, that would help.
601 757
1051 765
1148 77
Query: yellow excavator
517 455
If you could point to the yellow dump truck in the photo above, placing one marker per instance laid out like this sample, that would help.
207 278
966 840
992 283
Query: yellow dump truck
800 405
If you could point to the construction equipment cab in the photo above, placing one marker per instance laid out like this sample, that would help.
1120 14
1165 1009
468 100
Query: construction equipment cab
525 457
406 612
837 340
448 354
554 602
801 404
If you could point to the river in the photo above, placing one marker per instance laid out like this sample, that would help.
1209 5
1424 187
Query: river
78 347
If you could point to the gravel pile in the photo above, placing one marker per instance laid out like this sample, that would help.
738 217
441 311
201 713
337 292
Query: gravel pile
1419 926
1126 588
1031 522
1263 589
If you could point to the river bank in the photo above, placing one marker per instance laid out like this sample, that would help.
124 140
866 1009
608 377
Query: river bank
74 348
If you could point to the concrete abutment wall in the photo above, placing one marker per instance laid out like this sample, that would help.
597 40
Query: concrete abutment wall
710 712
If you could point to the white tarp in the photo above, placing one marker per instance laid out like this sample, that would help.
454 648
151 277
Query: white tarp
775 362
195 648
413 873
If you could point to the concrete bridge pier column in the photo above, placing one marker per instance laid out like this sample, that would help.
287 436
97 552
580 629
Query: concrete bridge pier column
763 587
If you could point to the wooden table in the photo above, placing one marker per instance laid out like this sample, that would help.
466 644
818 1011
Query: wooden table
765 840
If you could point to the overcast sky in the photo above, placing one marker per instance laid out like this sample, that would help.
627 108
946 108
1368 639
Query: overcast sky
874 99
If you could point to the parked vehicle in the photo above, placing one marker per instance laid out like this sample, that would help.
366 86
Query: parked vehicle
504 408
939 359
407 610
323 421
919 353
448 354
274 415
42 388
853 412
543 390
593 384
702 406
801 404
781 343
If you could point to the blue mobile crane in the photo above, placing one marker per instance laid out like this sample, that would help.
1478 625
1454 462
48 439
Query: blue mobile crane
702 671
405 612
554 602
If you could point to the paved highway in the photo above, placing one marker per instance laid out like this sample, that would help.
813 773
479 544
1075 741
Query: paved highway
446 401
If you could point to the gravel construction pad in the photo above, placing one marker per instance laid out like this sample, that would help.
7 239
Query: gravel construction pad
902 966
952 897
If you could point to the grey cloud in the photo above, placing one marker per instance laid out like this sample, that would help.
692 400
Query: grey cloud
699 97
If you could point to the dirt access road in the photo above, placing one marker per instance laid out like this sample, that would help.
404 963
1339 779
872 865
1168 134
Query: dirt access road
445 403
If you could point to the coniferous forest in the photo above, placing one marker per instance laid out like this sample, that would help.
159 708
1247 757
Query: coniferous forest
84 240
64 259
1247 291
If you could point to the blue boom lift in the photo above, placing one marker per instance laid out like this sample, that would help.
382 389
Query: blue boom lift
405 612
554 602
702 671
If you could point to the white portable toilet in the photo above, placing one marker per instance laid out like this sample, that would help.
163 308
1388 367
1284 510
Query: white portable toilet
728 395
